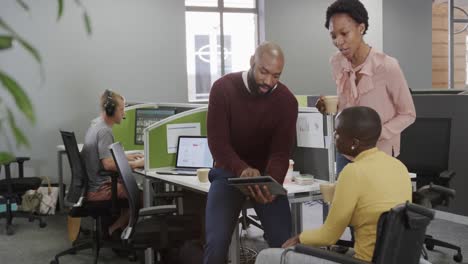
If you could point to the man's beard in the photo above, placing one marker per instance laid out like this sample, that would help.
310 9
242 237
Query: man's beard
254 87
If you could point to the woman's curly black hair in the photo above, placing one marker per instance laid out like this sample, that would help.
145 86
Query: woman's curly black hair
354 8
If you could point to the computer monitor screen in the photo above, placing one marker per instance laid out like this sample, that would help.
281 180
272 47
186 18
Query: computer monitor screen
425 145
145 117
193 152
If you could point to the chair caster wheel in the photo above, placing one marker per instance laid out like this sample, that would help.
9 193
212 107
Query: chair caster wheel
42 224
458 257
430 246
55 261
9 231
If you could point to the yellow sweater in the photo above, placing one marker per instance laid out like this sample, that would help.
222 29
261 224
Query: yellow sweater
374 183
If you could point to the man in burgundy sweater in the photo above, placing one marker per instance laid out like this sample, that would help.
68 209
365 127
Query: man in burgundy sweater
251 130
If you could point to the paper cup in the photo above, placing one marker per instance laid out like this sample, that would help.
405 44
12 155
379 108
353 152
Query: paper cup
202 174
331 104
327 190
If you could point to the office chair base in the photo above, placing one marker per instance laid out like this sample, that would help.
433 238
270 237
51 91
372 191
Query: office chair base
431 243
9 228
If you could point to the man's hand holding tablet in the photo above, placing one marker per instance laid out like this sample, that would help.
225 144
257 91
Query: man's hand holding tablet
257 187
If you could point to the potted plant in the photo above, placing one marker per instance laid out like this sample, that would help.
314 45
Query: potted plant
8 36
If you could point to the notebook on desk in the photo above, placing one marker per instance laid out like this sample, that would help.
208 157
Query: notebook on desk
192 153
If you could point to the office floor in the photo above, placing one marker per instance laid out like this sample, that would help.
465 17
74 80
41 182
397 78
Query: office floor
33 245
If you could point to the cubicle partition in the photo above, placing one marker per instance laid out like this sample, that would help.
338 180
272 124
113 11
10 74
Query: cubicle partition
130 131
312 160
125 131
157 136
302 100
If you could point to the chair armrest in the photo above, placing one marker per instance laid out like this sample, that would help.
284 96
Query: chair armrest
328 255
447 175
442 190
157 210
22 159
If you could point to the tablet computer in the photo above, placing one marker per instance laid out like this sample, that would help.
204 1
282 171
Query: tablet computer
273 186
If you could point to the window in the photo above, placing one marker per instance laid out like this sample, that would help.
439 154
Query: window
221 35
450 44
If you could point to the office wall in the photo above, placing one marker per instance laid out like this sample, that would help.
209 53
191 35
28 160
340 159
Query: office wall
407 27
137 48
298 26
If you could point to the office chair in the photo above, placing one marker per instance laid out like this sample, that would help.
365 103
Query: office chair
12 189
431 164
432 196
157 227
100 211
400 235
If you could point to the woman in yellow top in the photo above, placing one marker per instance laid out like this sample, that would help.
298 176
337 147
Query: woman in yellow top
374 183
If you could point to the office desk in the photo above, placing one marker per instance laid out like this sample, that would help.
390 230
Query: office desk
60 152
297 194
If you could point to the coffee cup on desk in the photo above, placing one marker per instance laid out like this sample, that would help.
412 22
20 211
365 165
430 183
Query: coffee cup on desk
331 103
202 174
327 190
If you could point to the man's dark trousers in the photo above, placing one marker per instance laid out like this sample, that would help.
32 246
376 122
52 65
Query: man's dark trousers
223 207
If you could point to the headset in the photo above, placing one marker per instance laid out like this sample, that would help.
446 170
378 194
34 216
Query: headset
109 103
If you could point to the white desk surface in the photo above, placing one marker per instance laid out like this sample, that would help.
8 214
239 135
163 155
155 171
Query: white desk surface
193 183
62 147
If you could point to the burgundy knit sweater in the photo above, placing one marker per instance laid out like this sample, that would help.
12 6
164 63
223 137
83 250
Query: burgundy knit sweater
246 130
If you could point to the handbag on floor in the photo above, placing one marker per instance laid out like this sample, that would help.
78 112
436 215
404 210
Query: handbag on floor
30 201
49 198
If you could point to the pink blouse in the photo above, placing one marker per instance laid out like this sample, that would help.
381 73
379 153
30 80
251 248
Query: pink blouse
382 87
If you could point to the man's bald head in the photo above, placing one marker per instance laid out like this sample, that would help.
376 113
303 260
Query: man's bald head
362 123
271 49
266 66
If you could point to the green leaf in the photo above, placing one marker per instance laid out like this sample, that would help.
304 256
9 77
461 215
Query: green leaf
60 9
5 42
21 98
23 42
30 49
20 137
87 21
6 157
23 5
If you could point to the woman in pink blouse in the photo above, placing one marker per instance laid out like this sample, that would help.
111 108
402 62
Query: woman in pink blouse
367 77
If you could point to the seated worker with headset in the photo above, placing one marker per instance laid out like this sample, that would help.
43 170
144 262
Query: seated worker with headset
374 183
97 157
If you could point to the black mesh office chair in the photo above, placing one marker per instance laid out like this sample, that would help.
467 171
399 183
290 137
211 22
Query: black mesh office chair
400 235
157 227
12 189
433 196
430 162
99 210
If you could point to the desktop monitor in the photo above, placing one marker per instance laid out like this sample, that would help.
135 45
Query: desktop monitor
145 117
425 146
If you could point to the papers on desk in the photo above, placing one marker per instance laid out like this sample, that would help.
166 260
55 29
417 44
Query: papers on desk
176 130
309 129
